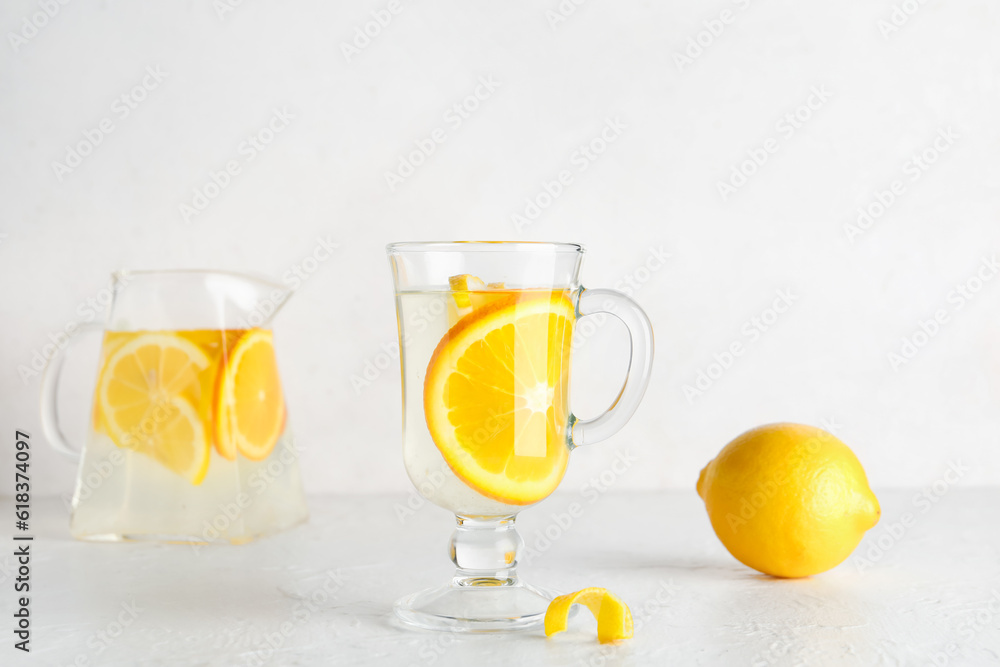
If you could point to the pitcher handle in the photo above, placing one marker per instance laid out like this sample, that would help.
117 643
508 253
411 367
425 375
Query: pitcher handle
640 366
50 396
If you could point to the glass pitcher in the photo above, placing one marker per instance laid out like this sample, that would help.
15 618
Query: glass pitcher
188 439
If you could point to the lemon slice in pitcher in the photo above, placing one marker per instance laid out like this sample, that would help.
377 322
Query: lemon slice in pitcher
145 395
250 407
183 442
495 396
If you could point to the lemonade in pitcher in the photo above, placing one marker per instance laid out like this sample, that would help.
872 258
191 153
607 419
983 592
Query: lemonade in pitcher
188 439
193 415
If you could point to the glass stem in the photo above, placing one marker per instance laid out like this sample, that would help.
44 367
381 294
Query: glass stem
485 551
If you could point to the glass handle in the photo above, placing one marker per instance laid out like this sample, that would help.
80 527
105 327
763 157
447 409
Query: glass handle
50 396
640 330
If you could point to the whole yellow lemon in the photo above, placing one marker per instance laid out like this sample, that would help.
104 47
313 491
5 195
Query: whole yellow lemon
788 500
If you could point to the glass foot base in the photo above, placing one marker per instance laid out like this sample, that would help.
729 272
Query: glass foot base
476 608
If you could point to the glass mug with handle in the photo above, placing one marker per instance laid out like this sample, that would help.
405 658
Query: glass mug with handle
486 332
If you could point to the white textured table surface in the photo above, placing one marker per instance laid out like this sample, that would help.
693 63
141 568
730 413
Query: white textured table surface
931 595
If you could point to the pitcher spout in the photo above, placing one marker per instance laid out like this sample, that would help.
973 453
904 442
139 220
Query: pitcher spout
259 299
191 299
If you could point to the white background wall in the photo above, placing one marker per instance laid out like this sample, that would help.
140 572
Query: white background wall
656 186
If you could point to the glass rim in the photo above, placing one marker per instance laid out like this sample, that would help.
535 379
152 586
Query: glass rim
483 246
